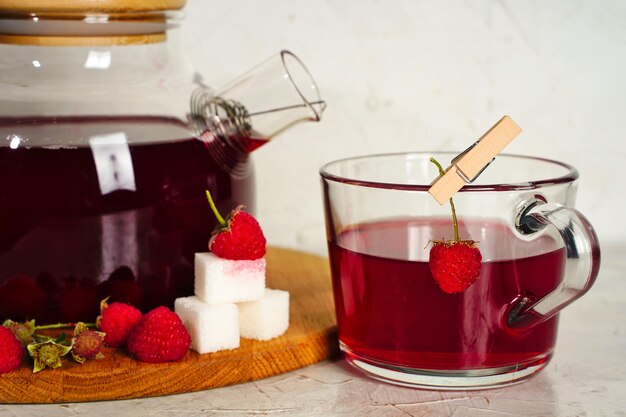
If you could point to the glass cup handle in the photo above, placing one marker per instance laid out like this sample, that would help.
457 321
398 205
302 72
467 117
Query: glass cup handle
581 266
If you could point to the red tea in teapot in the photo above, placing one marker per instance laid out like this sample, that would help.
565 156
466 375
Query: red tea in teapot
117 215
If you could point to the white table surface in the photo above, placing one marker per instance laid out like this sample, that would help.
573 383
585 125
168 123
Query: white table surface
587 377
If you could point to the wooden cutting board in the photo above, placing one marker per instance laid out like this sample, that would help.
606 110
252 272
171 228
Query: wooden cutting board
311 337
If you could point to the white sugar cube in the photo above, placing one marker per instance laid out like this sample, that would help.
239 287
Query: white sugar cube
212 327
228 281
266 318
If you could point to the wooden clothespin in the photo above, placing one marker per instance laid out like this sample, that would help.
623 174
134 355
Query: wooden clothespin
471 162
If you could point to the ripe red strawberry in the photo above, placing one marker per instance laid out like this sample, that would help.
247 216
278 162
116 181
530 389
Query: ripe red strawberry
11 351
238 237
116 321
160 336
454 264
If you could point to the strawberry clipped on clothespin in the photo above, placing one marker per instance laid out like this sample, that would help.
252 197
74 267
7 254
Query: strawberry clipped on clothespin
455 264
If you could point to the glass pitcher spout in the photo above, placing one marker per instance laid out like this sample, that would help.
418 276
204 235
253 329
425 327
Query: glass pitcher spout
256 107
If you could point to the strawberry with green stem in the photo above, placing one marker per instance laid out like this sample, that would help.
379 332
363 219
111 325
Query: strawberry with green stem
238 236
454 264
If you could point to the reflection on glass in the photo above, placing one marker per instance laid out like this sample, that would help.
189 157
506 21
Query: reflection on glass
114 164
14 141
98 60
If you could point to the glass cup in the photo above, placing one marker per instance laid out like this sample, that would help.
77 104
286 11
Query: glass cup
395 323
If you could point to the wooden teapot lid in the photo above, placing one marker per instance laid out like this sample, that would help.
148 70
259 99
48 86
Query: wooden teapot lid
89 6
136 11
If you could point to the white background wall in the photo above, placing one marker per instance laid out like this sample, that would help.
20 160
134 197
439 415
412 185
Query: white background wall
429 75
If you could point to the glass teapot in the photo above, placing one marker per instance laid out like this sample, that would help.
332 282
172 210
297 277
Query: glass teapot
108 141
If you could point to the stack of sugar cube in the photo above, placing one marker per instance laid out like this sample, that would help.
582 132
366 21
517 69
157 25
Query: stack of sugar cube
230 302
